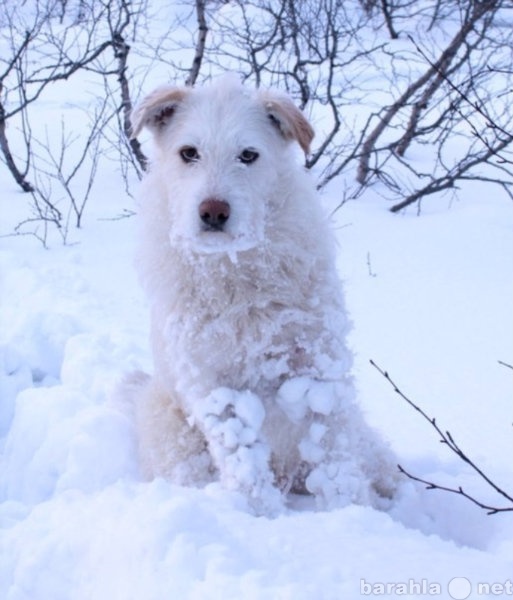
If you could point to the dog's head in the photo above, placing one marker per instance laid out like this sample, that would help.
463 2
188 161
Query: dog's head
222 153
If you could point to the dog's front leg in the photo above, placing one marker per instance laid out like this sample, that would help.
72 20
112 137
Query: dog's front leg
231 422
344 459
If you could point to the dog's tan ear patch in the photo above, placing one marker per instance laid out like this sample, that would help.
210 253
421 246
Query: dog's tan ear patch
290 121
156 110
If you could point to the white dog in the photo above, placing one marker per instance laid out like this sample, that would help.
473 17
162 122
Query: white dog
251 381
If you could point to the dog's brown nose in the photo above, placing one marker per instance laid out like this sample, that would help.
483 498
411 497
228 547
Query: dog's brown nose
214 213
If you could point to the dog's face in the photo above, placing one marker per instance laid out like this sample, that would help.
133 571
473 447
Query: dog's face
223 155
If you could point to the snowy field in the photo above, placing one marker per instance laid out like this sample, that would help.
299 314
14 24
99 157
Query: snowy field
430 298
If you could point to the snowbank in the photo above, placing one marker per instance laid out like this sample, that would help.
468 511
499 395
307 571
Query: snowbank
430 302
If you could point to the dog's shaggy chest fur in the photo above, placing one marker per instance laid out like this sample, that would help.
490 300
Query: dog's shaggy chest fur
251 379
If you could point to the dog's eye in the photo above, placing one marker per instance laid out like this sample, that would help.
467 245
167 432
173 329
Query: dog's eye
189 154
248 156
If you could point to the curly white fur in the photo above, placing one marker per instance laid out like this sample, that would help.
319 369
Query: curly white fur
251 380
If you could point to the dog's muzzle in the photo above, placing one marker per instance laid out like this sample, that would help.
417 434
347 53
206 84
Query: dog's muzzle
214 214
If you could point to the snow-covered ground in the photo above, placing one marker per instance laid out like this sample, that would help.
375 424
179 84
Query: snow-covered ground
430 298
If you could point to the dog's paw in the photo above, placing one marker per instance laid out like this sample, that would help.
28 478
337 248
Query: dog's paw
353 479
247 470
300 395
231 422
230 418
337 485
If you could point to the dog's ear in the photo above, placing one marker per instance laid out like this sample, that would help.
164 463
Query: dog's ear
156 110
289 120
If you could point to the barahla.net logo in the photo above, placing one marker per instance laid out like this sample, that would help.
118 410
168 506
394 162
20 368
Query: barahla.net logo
458 588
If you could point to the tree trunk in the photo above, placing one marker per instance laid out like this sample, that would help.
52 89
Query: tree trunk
19 177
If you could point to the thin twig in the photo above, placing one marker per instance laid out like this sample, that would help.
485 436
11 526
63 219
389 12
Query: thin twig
447 439
505 364
491 510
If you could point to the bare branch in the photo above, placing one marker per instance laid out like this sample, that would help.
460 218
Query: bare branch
505 364
447 439
121 51
200 43
491 510
441 65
